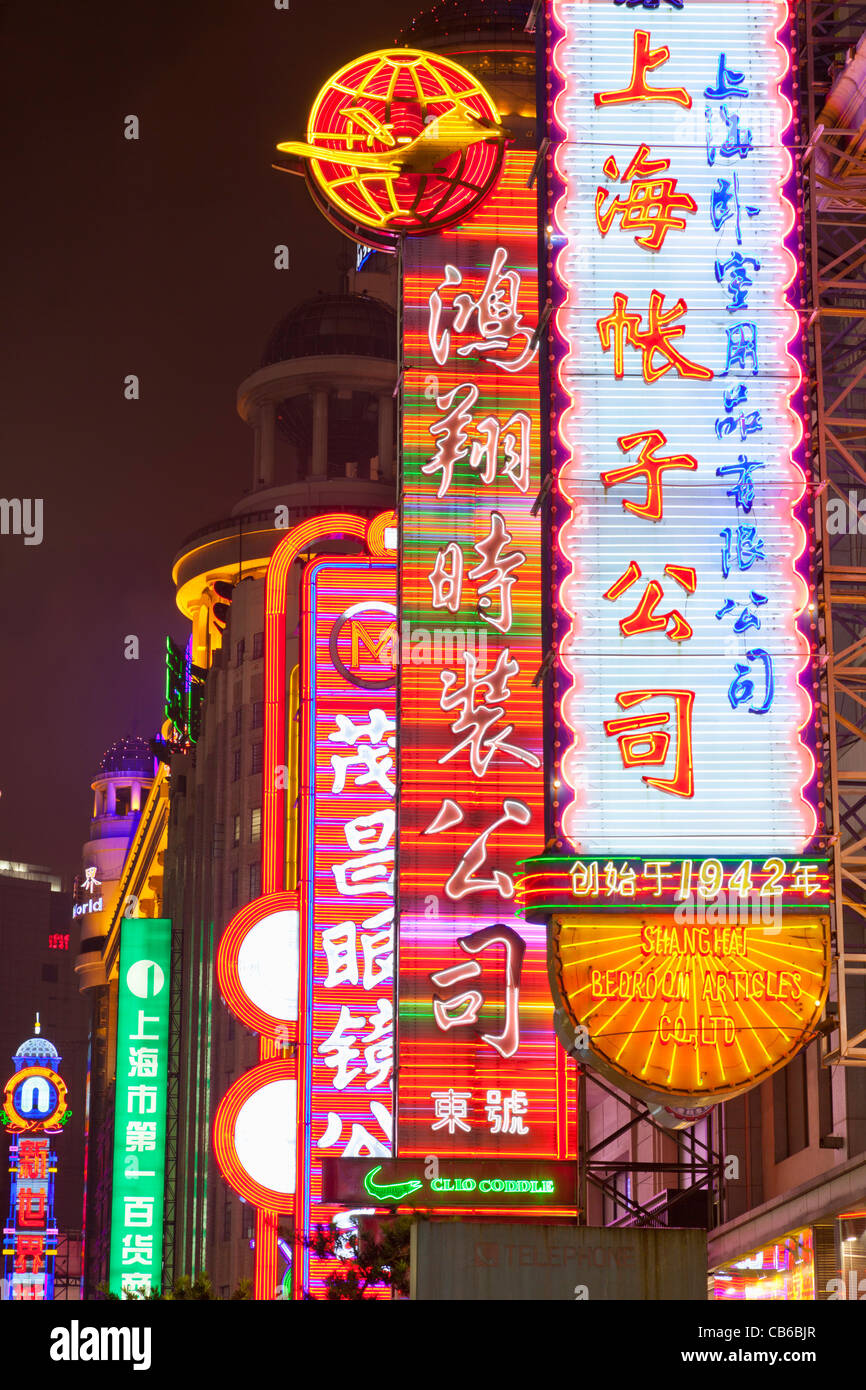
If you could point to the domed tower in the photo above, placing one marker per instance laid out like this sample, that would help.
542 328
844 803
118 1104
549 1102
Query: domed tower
37 1051
489 38
123 779
322 410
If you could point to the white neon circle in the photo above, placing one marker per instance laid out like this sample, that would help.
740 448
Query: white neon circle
265 1135
268 964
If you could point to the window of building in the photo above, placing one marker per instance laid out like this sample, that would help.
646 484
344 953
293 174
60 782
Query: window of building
236 764
240 648
791 1108
256 758
238 721
227 1224
255 825
255 881
236 829
123 801
258 713
258 645
233 888
49 974
218 837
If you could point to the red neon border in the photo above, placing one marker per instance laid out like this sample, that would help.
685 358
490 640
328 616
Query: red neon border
228 954
337 525
228 1162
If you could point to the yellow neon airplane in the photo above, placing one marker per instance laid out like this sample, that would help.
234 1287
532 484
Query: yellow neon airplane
446 134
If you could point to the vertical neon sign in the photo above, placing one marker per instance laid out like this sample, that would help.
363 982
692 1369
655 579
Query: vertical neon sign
347 791
479 1071
141 1088
680 444
34 1108
685 682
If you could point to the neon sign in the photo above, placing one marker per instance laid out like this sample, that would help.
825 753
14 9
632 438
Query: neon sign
400 141
450 1185
686 718
347 813
34 1108
269 960
744 888
138 1179
479 1071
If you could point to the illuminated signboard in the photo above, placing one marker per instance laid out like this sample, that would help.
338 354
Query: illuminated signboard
347 810
269 960
138 1180
451 1185
685 706
779 1272
34 1107
184 690
480 1072
745 888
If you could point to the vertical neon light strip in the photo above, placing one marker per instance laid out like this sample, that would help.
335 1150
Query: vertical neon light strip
479 1073
347 820
720 647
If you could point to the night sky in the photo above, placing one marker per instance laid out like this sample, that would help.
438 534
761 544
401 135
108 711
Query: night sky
152 257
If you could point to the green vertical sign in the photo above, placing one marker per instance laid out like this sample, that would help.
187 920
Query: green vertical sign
138 1184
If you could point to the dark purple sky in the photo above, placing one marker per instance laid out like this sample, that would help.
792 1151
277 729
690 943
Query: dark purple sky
156 258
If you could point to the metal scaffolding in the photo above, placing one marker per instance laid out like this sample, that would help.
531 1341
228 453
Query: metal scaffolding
832 78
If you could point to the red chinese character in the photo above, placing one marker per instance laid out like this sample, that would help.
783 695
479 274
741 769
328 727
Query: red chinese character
465 880
645 617
450 431
645 60
32 1207
651 204
476 717
622 328
643 744
29 1248
648 466
32 1159
462 1010
498 321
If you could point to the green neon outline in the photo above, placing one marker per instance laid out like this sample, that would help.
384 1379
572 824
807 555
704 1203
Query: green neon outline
389 1192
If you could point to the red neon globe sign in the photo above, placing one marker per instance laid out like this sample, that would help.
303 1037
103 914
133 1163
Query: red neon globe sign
400 142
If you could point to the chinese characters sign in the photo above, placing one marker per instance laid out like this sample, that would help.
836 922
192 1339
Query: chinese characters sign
348 786
140 1105
692 1007
686 684
478 1067
30 1237
770 885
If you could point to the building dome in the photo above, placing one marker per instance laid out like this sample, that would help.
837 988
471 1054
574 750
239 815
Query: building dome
131 755
448 24
37 1047
334 325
